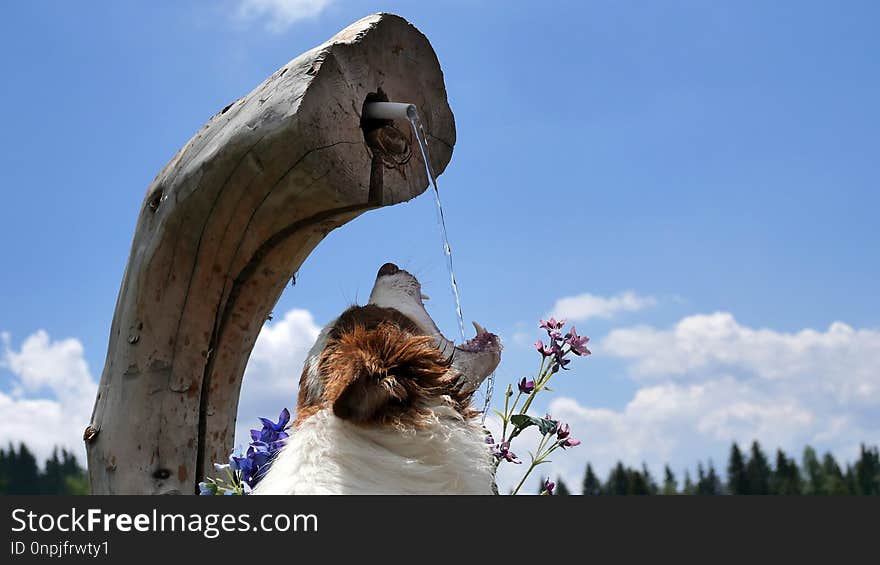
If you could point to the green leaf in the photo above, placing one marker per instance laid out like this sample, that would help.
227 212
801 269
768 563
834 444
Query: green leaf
523 421
503 418
546 426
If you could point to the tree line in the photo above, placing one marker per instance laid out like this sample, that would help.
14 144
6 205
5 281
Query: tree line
61 473
749 472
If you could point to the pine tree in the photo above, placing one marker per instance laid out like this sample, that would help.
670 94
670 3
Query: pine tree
688 487
75 480
649 480
52 480
834 483
737 480
708 483
850 480
561 489
713 483
758 471
591 484
618 481
5 466
867 471
701 479
636 483
19 473
786 479
23 474
814 477
670 486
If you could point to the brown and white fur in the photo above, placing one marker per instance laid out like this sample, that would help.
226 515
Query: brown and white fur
384 404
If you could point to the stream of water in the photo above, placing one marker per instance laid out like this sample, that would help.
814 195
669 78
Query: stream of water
422 137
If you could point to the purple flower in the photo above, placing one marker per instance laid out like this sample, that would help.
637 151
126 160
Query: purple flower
272 434
271 438
562 431
255 462
560 362
283 419
545 351
526 387
502 451
577 343
549 486
552 325
265 445
570 442
550 350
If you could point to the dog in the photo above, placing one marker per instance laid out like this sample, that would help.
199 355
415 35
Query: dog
384 404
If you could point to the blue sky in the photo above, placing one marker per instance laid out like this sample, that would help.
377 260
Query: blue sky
716 161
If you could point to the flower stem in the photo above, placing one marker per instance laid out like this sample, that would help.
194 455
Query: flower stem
537 460
508 414
537 388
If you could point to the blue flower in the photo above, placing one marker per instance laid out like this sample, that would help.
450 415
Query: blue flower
272 434
247 470
283 419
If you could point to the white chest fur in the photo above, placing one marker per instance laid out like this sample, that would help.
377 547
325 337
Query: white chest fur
327 455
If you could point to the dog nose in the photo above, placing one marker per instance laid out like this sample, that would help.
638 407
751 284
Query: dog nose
388 269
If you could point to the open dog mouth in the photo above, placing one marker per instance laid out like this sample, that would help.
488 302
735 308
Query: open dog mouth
482 341
474 359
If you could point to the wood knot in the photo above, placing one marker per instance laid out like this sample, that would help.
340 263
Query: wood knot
155 200
391 144
90 433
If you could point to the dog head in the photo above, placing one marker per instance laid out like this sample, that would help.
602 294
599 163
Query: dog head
387 363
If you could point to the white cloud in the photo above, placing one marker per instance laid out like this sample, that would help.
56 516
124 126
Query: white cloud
842 361
272 376
280 14
586 306
709 381
50 397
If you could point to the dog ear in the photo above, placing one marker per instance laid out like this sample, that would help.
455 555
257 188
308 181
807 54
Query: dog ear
354 402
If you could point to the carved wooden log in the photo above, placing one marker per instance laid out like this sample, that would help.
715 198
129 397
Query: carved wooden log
227 223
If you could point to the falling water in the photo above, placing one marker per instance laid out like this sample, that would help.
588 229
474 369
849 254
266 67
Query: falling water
422 137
